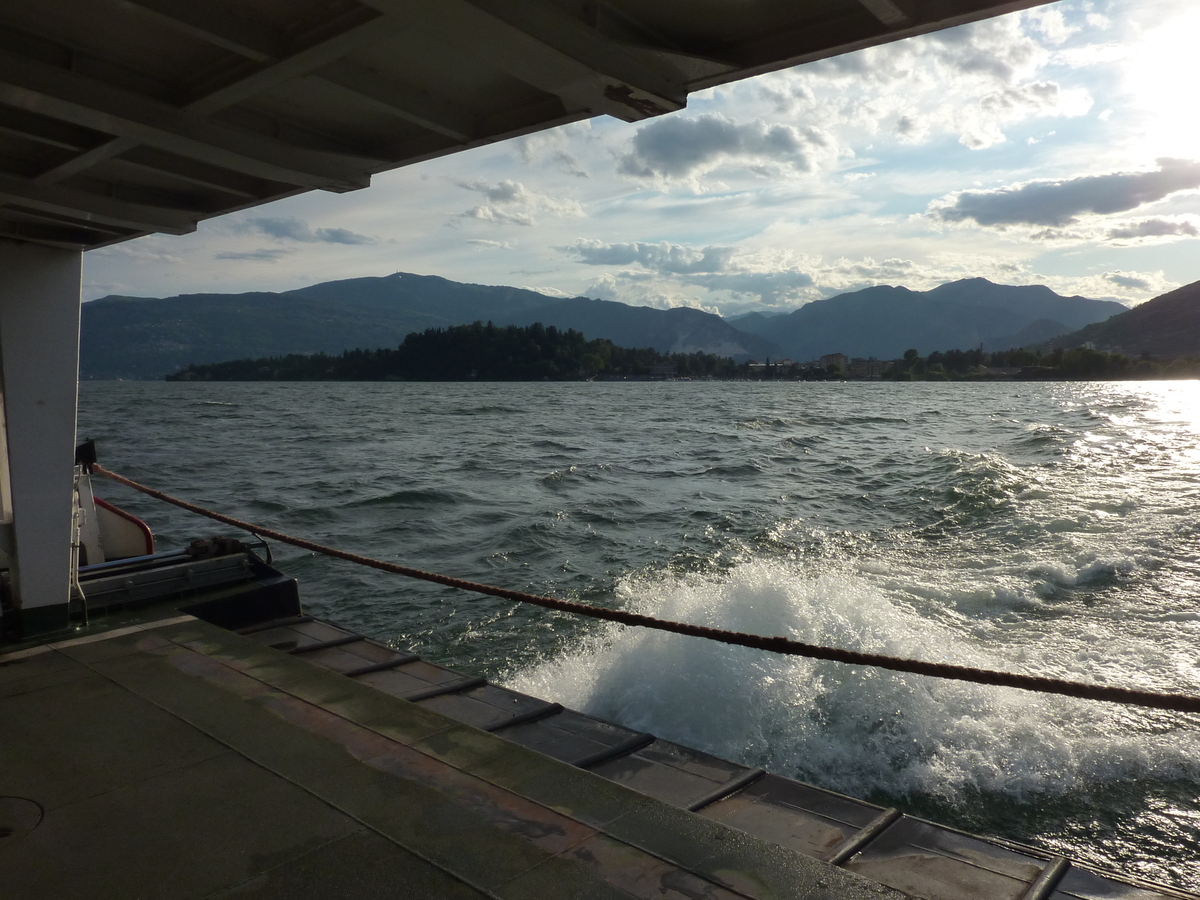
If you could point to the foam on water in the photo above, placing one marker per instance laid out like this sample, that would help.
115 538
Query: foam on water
858 730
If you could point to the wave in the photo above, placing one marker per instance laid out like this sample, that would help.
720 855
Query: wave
841 420
858 730
558 477
486 410
407 498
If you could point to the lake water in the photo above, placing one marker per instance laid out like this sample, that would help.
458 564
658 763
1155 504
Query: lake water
1050 529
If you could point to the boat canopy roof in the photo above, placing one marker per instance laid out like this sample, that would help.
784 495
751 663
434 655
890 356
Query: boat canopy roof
120 118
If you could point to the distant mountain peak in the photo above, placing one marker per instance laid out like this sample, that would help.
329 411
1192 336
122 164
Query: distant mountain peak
885 320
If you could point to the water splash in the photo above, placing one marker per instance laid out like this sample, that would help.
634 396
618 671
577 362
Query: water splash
853 729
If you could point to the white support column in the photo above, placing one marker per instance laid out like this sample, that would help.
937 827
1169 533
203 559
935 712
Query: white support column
39 361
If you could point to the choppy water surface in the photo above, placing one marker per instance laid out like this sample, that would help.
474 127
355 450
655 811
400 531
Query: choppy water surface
1049 529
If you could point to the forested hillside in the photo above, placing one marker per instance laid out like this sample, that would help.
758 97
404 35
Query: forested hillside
470 352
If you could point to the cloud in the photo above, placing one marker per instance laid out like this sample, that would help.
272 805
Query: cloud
511 203
665 267
548 291
681 147
1127 281
551 146
973 82
1051 23
1130 288
638 290
771 288
294 229
1060 203
1034 96
498 216
264 255
1155 227
662 257
491 245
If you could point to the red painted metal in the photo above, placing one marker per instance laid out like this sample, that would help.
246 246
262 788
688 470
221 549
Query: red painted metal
130 517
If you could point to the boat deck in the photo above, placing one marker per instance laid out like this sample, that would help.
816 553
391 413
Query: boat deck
922 859
297 759
178 759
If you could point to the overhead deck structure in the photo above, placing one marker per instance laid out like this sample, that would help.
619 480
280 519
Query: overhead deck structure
121 118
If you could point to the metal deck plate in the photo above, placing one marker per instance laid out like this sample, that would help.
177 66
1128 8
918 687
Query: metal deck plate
920 858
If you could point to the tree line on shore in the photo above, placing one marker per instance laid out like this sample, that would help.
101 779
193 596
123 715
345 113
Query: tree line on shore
1060 364
488 352
475 352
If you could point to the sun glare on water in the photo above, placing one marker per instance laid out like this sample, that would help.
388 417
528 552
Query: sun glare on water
1170 415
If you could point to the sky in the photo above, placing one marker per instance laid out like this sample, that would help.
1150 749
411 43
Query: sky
1056 146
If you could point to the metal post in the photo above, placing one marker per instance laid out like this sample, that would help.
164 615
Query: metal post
39 366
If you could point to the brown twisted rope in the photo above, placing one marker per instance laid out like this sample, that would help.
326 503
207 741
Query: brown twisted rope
1128 696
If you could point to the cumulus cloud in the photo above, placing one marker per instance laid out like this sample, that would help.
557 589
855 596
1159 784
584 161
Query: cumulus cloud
512 203
1059 203
1051 24
265 254
1034 96
661 257
714 268
498 216
551 146
1156 227
638 290
681 147
1127 281
548 291
974 82
294 229
771 288
741 279
1130 288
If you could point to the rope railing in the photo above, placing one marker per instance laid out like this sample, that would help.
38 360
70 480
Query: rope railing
782 645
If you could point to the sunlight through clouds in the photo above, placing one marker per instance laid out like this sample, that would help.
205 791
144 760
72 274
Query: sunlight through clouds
1161 78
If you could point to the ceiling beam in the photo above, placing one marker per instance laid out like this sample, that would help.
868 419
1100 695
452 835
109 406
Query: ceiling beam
189 171
326 59
549 49
297 64
42 130
87 207
215 23
222 26
886 12
53 236
41 88
401 100
86 160
27 214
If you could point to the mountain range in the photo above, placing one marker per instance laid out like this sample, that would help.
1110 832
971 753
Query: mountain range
129 337
885 321
1167 326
